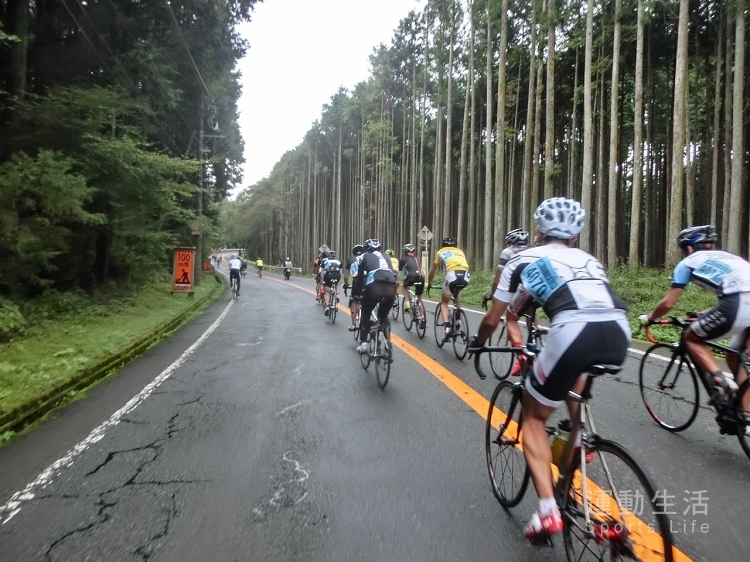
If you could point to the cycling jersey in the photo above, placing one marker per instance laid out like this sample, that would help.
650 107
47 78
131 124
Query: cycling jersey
375 267
235 263
332 265
411 267
720 273
259 263
560 279
509 252
452 258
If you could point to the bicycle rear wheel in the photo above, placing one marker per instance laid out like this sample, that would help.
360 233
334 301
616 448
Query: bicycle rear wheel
439 333
669 389
394 308
383 359
461 335
421 321
625 519
509 474
743 416
355 332
408 316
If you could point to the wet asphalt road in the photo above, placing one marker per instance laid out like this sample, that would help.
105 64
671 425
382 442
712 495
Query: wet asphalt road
268 441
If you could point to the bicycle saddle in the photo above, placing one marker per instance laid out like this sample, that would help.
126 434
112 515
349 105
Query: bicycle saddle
597 370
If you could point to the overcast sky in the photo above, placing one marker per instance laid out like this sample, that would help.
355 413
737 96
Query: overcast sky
301 51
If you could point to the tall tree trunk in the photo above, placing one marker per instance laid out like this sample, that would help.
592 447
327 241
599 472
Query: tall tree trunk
716 132
501 189
462 191
734 243
588 126
526 185
728 105
18 15
572 190
614 130
678 138
488 238
448 190
549 141
635 205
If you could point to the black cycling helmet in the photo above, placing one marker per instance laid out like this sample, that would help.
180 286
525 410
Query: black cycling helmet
332 254
697 237
357 249
517 236
449 241
373 245
408 248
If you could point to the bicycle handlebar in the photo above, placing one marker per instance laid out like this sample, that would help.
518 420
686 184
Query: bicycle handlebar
681 323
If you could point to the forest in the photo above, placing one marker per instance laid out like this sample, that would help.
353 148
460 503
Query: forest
480 109
119 127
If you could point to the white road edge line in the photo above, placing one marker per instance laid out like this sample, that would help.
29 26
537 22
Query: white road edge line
11 508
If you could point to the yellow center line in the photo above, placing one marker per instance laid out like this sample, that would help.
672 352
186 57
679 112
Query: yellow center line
481 406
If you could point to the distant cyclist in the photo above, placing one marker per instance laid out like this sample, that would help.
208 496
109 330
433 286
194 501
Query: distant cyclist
728 277
243 266
259 265
235 264
331 273
456 276
413 276
349 269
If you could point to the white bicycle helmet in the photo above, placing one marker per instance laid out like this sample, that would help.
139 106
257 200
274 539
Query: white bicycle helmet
517 236
560 218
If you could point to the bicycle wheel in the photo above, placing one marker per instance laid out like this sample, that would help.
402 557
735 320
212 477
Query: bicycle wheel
460 334
421 321
743 416
334 308
669 389
439 332
365 358
394 308
383 358
355 333
626 521
408 316
500 363
509 474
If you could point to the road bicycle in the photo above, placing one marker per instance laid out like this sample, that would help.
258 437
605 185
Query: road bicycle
669 386
610 508
416 315
233 287
331 301
379 350
459 326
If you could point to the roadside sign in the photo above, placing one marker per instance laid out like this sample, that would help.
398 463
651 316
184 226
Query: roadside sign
196 226
425 234
183 270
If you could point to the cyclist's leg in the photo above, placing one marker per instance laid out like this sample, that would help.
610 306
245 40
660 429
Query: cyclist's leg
386 293
368 304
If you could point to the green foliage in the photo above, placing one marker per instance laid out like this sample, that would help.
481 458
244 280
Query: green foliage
42 202
11 320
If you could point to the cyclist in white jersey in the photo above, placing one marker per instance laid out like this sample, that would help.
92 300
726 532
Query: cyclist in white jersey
728 277
588 327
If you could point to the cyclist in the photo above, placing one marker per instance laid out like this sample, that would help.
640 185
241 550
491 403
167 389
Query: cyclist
728 277
331 272
243 266
287 267
259 265
357 251
374 276
235 264
318 272
394 262
456 276
413 276
588 327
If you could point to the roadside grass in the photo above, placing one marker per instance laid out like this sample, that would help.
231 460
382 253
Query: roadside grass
66 338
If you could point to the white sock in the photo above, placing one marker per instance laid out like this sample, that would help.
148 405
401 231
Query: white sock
547 506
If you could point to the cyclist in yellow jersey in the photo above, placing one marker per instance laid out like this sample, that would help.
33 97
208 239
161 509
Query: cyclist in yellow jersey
456 276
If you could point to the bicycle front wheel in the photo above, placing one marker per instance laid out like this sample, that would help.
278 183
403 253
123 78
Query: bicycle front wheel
500 363
461 335
509 474
383 359
743 416
669 388
439 333
394 309
366 357
408 316
421 321
619 517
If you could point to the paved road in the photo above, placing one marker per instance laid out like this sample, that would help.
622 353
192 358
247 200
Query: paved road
254 434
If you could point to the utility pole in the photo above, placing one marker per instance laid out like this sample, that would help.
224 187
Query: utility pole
199 235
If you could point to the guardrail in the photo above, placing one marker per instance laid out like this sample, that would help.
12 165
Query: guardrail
280 268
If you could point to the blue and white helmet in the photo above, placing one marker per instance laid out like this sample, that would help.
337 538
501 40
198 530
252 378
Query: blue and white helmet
373 245
697 235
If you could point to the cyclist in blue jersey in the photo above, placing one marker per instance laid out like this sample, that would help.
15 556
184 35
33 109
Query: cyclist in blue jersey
728 277
588 326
